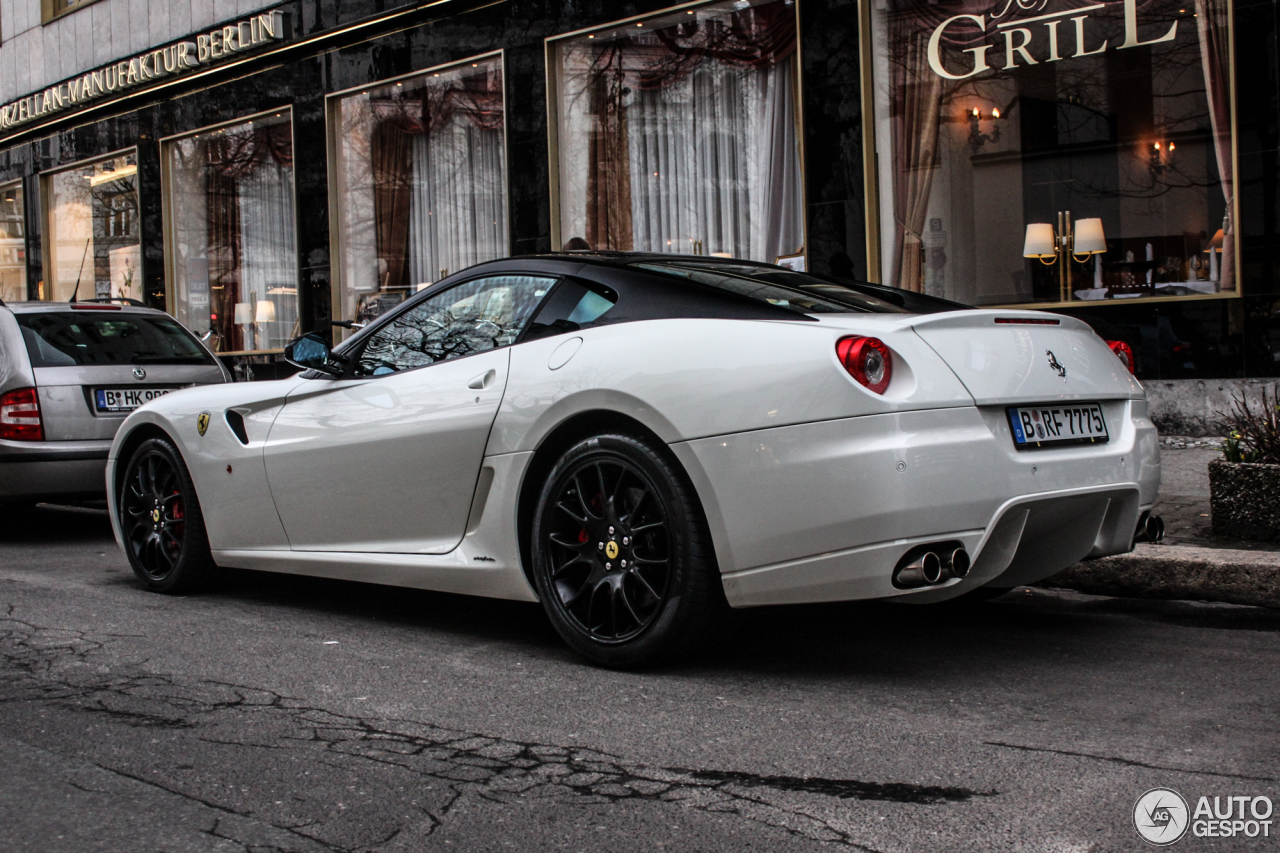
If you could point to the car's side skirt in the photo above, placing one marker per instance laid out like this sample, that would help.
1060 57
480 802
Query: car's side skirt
442 573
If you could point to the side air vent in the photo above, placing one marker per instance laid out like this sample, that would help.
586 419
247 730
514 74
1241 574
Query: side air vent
236 421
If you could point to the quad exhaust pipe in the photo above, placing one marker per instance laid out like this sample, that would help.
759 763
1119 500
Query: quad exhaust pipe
1150 529
931 566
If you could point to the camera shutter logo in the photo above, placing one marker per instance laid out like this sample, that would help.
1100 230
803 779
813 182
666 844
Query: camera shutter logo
1161 816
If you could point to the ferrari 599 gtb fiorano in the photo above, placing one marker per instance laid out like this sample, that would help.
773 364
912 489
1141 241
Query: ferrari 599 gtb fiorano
644 442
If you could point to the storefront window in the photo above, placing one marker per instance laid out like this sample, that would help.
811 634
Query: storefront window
419 188
94 250
1055 151
231 248
678 134
13 247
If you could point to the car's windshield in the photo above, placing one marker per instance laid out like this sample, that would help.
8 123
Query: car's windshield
69 338
781 287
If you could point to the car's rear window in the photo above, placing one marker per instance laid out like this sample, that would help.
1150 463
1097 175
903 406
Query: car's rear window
69 338
782 288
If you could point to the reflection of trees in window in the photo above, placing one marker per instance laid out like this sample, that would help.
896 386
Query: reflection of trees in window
469 318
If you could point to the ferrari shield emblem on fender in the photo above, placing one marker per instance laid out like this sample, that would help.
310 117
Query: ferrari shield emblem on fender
202 423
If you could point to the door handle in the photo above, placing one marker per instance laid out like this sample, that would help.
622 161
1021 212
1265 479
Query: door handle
484 380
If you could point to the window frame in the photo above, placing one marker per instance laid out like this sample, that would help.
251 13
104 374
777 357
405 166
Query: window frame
48 14
166 212
48 231
873 202
21 186
332 102
550 45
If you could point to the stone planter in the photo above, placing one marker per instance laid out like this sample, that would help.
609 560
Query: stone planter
1244 500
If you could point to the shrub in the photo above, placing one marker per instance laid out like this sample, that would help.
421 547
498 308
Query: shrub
1253 434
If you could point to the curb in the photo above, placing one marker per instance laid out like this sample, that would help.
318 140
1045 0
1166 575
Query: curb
1179 572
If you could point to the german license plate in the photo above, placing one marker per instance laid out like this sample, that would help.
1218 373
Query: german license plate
126 399
1054 425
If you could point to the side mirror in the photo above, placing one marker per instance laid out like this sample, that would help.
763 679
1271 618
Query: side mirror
310 352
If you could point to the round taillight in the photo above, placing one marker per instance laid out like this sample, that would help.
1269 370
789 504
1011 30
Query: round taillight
1124 352
868 360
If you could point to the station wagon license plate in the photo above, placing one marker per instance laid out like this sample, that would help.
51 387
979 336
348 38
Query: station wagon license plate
126 399
1035 427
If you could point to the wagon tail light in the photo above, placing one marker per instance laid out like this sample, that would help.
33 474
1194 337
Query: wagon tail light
20 416
1124 352
868 360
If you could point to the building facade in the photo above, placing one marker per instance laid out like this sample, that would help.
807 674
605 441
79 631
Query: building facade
261 170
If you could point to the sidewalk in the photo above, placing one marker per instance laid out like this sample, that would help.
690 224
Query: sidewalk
1192 562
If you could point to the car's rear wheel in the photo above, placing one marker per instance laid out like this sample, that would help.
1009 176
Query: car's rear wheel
622 560
161 522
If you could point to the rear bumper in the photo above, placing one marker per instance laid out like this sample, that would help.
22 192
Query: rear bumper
823 511
1029 539
31 470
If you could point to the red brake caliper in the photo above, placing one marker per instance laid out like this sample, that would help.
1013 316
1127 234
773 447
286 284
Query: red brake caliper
178 514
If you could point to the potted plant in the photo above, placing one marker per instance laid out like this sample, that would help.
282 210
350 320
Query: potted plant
1244 487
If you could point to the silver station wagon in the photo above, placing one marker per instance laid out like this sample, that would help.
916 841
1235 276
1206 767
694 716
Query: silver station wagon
69 374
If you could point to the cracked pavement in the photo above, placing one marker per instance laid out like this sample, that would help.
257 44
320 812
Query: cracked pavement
280 713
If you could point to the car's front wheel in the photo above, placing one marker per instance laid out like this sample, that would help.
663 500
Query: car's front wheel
161 522
622 560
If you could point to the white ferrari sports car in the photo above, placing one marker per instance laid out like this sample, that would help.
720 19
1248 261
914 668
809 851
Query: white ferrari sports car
644 442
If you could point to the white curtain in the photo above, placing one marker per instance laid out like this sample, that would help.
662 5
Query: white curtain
458 206
714 159
269 279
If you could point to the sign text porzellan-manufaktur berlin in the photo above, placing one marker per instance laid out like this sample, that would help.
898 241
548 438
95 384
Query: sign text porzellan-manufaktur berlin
173 59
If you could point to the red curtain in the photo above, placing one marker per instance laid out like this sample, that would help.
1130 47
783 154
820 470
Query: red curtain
1215 59
608 162
232 156
227 160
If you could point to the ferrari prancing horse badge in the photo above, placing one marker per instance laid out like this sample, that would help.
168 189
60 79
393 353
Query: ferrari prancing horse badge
202 423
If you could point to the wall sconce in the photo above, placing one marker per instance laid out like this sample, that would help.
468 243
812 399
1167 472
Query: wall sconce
1160 157
1052 246
265 312
976 137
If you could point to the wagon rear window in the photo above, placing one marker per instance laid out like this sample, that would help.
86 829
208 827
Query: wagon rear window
66 339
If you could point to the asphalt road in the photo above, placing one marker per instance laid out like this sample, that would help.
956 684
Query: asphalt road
289 714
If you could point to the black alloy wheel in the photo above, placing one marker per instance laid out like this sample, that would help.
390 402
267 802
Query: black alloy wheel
160 520
622 561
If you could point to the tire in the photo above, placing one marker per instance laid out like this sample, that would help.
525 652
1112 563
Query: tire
161 522
622 559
